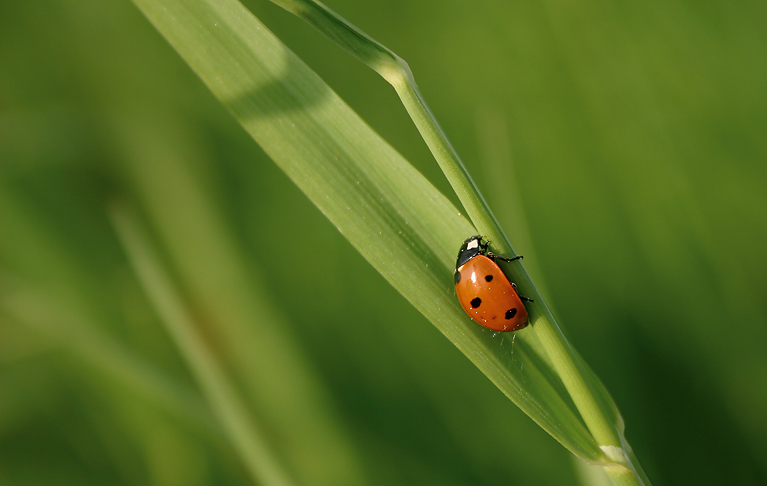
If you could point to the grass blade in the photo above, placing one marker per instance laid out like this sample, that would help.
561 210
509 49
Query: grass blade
386 209
264 357
591 399
107 356
230 410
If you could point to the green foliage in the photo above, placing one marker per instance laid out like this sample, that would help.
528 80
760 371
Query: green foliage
638 156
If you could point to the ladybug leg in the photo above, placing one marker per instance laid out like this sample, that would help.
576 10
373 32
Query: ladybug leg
493 256
521 298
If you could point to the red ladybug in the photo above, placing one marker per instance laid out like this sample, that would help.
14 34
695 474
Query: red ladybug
484 291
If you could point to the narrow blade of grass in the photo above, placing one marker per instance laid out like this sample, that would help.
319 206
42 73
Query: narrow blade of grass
591 399
263 355
396 219
246 437
107 356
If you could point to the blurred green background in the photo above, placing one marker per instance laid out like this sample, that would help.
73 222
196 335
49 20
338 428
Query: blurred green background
634 135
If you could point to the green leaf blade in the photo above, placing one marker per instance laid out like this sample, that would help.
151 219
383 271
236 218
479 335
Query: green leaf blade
397 220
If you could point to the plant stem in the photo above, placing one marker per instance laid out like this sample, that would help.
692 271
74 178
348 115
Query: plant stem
396 71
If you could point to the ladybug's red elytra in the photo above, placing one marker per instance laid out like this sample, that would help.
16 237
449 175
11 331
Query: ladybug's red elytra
484 290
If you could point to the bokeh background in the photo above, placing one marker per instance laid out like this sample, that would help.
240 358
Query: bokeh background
623 146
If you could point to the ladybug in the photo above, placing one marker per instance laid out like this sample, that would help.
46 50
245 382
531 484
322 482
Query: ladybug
484 291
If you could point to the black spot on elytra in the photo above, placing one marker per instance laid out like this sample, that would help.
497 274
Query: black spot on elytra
457 277
488 278
476 302
511 313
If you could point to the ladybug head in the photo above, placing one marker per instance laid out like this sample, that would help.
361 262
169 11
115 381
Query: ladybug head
470 248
